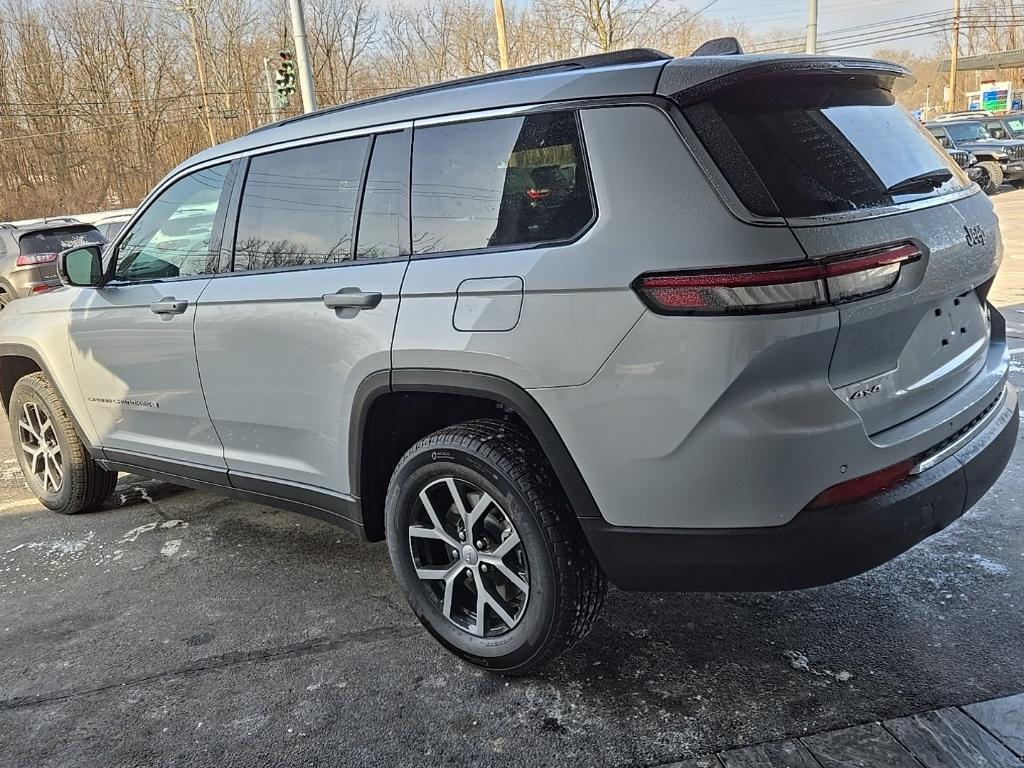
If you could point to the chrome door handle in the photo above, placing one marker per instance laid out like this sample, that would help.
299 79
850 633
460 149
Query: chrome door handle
168 306
351 298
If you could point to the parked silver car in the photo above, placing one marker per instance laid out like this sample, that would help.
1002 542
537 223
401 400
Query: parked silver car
676 324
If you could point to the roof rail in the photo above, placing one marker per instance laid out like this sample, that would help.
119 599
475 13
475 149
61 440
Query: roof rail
719 46
614 58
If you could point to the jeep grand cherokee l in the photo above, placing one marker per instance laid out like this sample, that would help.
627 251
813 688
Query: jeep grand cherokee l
676 324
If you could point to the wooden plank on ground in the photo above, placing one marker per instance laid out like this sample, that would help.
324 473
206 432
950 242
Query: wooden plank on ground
777 754
1004 718
862 746
948 738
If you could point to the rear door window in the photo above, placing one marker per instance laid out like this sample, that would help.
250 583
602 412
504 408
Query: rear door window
57 240
298 206
499 183
819 147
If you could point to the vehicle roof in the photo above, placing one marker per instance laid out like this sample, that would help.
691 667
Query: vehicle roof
955 122
635 72
556 82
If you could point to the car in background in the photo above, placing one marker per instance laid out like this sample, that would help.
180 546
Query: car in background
1002 160
1005 126
28 254
111 225
968 162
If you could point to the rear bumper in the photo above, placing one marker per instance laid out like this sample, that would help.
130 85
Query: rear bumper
818 546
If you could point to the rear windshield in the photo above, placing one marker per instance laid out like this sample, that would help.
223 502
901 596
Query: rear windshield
818 147
56 240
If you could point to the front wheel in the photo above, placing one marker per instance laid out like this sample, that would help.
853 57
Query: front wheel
56 465
992 177
487 549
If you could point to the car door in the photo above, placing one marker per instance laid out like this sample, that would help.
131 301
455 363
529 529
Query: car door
132 340
306 314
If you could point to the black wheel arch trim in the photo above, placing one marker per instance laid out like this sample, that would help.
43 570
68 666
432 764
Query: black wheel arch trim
471 384
23 350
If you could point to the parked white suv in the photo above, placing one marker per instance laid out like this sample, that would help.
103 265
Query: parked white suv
714 323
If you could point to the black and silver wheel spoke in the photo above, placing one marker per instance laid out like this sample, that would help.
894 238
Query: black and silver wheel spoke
469 554
41 448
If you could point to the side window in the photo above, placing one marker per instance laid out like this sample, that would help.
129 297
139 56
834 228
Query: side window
298 206
172 236
384 215
502 182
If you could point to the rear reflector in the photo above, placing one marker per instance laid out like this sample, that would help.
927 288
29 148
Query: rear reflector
776 287
864 486
31 259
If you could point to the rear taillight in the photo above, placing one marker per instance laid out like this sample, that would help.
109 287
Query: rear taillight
864 486
776 287
31 259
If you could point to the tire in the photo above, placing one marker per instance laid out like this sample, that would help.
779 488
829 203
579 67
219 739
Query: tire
550 556
63 476
5 299
993 178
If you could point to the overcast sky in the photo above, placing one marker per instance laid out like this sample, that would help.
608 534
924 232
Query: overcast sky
837 16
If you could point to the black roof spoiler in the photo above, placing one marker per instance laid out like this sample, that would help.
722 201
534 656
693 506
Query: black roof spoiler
687 81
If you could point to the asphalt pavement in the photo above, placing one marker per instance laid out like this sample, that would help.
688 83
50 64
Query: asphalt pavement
178 628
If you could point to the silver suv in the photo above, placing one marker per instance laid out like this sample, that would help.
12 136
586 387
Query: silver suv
712 323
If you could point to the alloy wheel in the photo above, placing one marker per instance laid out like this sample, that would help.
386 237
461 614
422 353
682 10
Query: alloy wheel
469 556
41 448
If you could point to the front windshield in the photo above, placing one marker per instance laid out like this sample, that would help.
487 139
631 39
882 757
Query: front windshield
968 131
1016 126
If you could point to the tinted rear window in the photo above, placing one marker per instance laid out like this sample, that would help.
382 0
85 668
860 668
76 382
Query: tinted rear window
815 148
499 183
56 240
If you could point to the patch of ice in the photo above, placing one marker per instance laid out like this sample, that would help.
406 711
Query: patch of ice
171 548
134 533
989 566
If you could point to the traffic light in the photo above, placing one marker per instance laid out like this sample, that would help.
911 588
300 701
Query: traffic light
285 77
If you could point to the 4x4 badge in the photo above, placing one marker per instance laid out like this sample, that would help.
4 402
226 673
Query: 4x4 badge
865 392
975 235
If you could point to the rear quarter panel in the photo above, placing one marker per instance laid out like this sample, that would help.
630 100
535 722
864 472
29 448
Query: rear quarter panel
656 211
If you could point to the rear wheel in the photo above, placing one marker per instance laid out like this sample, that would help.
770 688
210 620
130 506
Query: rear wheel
487 549
5 299
992 178
53 459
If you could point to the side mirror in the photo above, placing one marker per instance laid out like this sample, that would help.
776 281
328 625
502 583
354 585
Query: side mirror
81 266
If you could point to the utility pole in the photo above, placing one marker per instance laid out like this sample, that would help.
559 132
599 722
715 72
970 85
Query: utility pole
499 21
190 11
812 26
954 54
302 56
275 113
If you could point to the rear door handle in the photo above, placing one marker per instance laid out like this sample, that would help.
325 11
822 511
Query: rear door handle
351 298
168 306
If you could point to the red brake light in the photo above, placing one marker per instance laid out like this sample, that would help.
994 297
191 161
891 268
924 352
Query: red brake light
31 259
776 287
861 487
537 194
